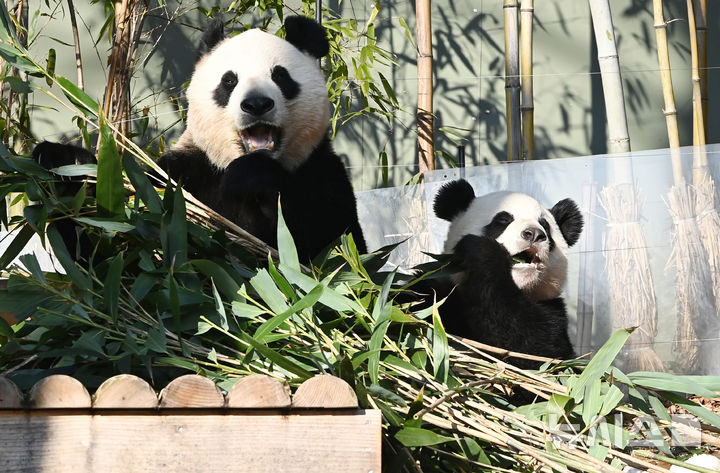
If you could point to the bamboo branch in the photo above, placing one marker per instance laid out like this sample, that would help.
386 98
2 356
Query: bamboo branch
618 137
527 107
512 79
76 40
426 150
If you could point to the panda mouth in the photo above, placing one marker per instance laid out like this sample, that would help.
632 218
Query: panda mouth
528 256
260 136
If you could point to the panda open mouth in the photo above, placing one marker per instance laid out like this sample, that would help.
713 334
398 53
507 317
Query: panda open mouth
528 256
260 136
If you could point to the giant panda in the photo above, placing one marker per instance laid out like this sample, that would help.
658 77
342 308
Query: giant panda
257 128
509 256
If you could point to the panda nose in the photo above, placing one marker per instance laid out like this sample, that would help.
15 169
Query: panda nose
257 105
533 235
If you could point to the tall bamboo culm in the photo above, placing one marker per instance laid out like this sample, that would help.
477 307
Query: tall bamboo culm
708 220
512 79
618 137
426 149
527 106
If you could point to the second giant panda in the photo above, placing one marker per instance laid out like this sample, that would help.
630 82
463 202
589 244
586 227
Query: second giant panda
510 257
257 126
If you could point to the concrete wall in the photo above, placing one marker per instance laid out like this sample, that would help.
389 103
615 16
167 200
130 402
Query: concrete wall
469 84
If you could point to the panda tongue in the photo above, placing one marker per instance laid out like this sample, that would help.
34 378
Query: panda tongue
258 137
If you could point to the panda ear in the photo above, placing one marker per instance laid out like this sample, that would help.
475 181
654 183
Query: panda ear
307 35
569 219
453 198
212 36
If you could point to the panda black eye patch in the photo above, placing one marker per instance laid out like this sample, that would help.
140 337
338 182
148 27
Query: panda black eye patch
224 89
289 88
499 223
546 226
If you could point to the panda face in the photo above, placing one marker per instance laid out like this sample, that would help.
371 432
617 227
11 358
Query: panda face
256 91
528 231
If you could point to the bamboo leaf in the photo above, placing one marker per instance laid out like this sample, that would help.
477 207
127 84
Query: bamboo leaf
264 285
307 301
110 191
73 170
17 244
417 437
220 277
694 408
80 99
600 362
286 245
219 307
441 351
67 262
670 382
174 229
107 225
142 184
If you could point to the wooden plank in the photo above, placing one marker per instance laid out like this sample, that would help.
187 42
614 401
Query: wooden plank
59 391
191 390
258 390
325 391
125 391
10 395
269 441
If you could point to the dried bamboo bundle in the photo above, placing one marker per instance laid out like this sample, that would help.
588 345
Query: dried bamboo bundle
708 221
527 106
632 297
694 302
512 79
618 136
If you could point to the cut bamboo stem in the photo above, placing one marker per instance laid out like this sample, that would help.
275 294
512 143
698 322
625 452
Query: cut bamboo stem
670 110
698 120
512 79
701 27
618 137
426 150
527 106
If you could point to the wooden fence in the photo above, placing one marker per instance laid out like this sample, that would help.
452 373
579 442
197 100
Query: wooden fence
125 427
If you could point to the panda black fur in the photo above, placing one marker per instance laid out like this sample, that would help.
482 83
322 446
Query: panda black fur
510 254
258 115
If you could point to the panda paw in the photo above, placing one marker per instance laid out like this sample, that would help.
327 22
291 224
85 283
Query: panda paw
475 252
254 175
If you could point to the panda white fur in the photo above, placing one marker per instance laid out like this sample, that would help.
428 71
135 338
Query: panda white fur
510 257
257 127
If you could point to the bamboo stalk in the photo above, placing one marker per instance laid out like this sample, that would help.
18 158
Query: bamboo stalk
76 41
618 137
670 110
527 106
512 79
701 28
698 121
426 151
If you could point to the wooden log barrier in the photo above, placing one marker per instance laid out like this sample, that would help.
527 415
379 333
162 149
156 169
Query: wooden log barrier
57 427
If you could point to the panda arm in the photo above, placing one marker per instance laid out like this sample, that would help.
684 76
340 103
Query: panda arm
495 311
319 204
191 168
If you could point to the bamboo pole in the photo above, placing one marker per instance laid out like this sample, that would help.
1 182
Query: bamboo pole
426 151
76 42
618 137
701 27
512 79
527 106
670 110
698 121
